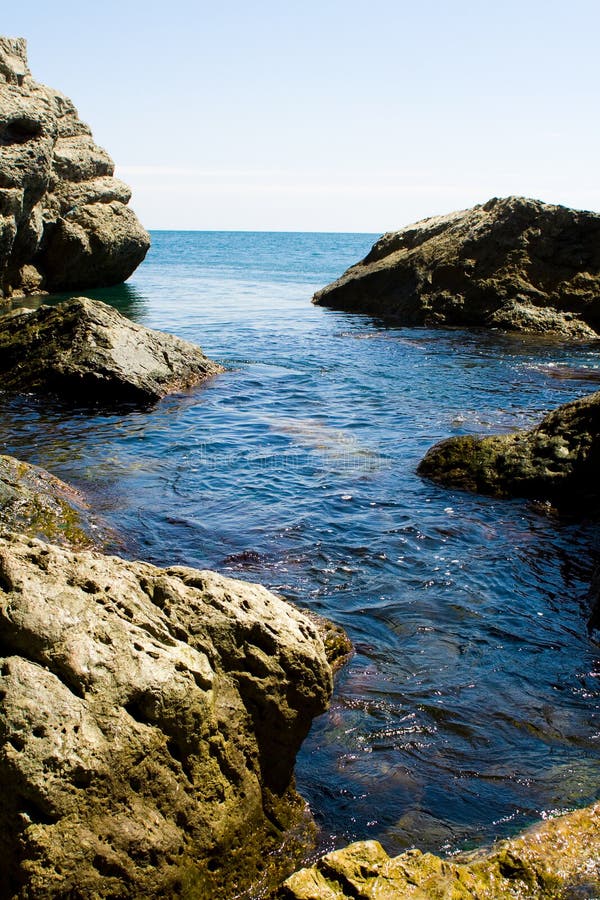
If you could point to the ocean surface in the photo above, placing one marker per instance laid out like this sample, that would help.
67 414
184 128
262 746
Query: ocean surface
471 705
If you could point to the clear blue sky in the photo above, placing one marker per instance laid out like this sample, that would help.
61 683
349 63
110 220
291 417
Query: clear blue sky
332 115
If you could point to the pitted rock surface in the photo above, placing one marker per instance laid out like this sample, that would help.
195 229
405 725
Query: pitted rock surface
64 219
149 723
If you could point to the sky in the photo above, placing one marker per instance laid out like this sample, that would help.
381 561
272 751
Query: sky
334 115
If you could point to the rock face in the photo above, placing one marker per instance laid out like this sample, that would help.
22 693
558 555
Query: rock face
514 264
87 351
64 220
38 504
149 723
559 460
560 858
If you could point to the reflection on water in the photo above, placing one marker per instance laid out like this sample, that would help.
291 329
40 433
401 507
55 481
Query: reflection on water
471 704
124 297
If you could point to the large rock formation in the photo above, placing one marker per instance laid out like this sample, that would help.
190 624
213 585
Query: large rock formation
558 859
558 460
85 350
149 723
64 220
514 264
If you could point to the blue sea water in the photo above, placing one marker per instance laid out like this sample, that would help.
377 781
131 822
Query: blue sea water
471 705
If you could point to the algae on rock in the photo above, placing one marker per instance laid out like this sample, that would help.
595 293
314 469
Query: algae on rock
558 859
84 350
37 504
515 264
558 460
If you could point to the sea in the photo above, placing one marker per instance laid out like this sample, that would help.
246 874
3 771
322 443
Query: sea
470 707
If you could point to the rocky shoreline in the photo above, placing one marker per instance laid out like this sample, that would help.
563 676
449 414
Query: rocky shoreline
150 717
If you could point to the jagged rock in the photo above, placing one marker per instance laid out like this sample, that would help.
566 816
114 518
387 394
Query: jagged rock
38 504
85 350
149 723
514 264
64 223
559 460
559 858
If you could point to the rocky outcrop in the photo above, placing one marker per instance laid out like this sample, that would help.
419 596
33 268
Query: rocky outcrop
558 859
38 504
86 351
513 264
149 723
64 219
559 460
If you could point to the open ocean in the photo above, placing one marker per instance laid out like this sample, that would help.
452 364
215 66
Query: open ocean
471 706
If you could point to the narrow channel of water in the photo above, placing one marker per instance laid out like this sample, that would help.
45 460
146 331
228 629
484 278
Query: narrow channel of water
471 706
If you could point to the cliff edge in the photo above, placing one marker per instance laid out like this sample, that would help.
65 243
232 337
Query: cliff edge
64 219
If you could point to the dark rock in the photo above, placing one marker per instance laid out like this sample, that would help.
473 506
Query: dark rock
149 724
514 264
558 460
64 223
85 350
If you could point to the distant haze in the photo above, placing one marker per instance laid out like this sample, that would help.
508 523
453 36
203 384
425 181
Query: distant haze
332 115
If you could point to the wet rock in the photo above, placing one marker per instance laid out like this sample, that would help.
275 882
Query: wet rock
559 858
558 460
64 220
514 264
149 723
84 350
38 504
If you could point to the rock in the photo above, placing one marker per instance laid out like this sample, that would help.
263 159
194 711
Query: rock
64 220
85 350
559 858
514 264
558 460
149 723
38 504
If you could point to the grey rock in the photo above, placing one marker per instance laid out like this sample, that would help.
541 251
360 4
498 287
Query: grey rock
514 264
558 460
86 351
149 723
58 196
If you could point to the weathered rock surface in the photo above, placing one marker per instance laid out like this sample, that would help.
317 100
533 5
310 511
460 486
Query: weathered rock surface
559 460
38 504
514 264
64 220
149 723
558 859
85 350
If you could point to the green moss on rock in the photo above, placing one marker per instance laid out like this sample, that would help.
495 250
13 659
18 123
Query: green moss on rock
558 460
556 860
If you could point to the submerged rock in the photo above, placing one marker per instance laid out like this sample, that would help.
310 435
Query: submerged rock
64 220
86 351
514 264
559 858
149 723
38 504
558 460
